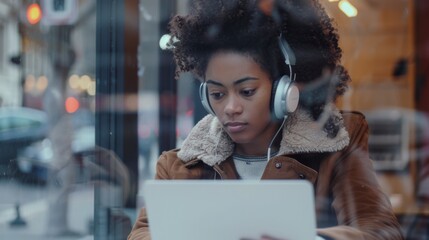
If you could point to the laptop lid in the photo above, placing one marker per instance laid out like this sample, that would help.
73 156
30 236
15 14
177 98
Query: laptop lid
230 210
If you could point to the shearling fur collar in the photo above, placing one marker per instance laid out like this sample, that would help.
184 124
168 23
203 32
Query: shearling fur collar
210 143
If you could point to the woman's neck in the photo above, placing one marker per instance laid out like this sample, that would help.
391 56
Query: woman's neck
258 149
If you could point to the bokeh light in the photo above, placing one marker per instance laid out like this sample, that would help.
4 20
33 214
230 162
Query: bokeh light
72 105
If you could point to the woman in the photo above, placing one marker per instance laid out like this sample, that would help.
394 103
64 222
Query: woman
242 51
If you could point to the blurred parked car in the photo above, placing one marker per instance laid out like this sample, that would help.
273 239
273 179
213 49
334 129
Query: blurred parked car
36 162
19 127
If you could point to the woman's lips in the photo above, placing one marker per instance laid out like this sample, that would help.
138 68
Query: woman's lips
235 127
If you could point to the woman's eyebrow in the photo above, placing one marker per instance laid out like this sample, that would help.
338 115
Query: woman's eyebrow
214 83
236 82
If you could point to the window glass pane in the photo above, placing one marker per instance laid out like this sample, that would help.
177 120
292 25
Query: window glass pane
48 174
96 101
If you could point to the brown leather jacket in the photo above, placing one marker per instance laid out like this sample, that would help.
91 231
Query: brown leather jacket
349 201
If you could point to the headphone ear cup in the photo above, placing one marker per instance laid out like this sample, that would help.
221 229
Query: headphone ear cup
272 101
285 99
205 98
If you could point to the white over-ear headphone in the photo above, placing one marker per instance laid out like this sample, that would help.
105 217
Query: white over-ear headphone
205 98
284 95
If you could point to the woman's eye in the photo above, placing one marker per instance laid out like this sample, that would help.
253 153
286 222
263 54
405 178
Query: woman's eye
216 95
248 92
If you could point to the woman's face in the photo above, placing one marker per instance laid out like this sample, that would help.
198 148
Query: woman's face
239 92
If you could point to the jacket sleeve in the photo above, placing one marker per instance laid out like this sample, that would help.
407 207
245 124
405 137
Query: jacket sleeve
140 229
363 210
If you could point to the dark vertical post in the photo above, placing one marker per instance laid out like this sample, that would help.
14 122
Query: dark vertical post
167 84
130 137
422 55
422 94
116 105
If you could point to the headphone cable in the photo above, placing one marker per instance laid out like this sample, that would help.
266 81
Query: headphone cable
272 140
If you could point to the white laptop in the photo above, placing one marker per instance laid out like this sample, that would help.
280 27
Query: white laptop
230 209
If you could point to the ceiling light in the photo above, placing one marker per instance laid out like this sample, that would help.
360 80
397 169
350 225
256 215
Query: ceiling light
348 8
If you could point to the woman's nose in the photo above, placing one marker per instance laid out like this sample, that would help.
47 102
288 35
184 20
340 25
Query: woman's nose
233 106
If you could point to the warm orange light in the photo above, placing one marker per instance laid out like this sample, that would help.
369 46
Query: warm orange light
34 13
72 104
348 8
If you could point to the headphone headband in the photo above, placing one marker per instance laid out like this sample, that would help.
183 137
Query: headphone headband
288 54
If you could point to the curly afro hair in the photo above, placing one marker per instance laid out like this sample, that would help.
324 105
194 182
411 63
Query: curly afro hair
252 27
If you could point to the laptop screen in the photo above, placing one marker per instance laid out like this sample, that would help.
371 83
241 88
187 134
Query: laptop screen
231 209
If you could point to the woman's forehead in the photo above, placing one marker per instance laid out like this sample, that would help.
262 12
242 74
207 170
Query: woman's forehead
232 67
